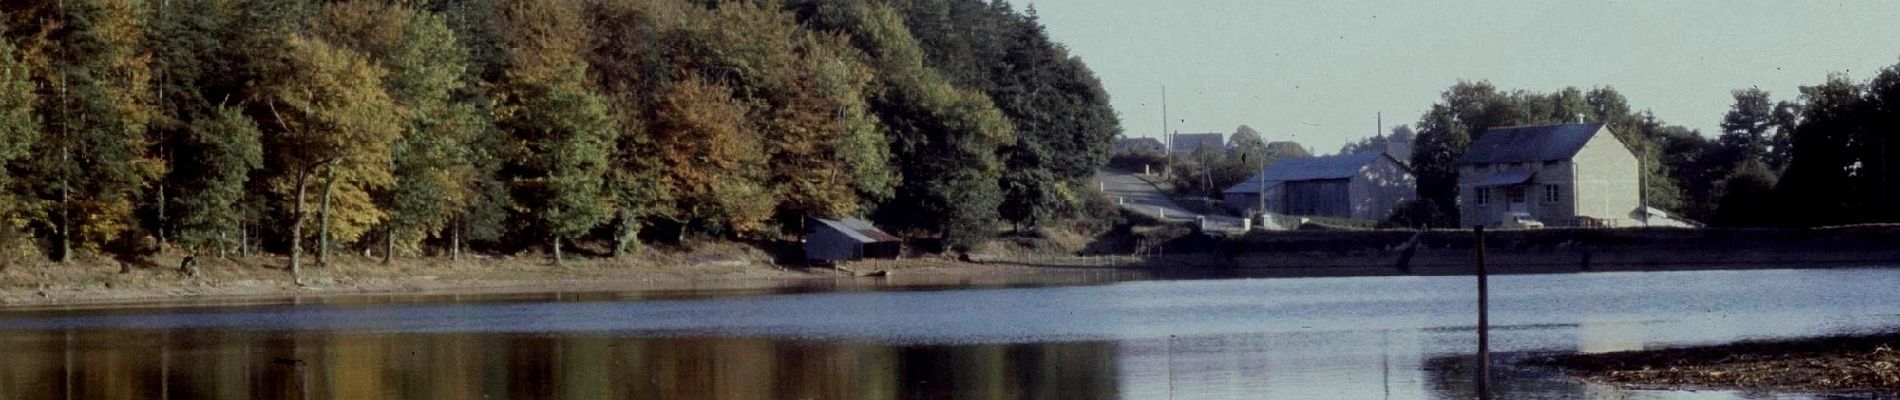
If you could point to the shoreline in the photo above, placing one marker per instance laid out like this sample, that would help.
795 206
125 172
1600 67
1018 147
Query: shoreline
1867 362
262 280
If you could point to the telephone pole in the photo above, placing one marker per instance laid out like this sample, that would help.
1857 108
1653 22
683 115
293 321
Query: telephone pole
1167 149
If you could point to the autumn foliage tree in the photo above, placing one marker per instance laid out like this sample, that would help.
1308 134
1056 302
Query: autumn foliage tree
205 127
331 127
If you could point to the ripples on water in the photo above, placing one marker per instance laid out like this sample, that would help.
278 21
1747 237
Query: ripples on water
1374 337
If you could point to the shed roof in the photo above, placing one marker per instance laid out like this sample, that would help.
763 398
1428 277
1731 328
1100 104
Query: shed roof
1530 143
858 230
1310 168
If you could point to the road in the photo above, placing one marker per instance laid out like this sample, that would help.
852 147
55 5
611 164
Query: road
1142 197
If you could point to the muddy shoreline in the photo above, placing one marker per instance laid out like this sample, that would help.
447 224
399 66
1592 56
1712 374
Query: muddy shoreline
1858 363
262 280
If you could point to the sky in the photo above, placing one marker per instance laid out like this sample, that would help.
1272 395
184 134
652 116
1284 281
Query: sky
1320 72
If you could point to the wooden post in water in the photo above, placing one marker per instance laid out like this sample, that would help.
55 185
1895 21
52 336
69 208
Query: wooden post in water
1484 321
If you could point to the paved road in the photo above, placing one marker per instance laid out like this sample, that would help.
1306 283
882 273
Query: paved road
1142 197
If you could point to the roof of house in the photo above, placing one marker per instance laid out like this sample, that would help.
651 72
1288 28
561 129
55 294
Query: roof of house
1195 141
1506 178
1310 168
1530 143
858 230
1128 143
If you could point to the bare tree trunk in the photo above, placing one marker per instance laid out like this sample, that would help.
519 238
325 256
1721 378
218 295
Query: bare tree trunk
65 184
389 244
557 250
246 241
296 229
323 218
161 208
65 222
455 241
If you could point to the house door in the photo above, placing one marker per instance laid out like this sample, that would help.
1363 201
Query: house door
1514 199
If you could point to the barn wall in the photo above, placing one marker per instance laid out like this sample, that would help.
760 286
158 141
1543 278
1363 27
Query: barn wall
1324 198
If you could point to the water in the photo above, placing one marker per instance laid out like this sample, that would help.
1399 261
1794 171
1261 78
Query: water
1366 337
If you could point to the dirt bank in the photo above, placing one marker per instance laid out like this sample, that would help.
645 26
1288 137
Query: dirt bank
1851 363
99 283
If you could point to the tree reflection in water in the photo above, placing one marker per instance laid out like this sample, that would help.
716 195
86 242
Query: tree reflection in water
237 364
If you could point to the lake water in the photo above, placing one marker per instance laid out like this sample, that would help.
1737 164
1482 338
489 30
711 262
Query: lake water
1403 337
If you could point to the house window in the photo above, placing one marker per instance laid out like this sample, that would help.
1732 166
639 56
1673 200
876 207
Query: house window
1516 194
1482 195
1552 194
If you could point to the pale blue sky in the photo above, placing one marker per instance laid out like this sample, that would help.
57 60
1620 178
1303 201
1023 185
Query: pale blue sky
1317 71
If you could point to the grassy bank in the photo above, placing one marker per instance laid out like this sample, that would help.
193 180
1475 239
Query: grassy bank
1832 363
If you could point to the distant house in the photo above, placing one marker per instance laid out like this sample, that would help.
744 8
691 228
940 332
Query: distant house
1561 175
848 239
1360 186
1188 143
1142 145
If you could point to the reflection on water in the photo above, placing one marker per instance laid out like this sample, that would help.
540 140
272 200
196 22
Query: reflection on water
1353 338
256 365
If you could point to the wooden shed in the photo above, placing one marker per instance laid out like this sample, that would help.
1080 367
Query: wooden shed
848 239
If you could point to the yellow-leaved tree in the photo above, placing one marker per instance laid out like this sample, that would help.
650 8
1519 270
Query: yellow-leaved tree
331 131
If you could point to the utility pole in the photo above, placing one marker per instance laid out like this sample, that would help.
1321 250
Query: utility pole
1167 150
1642 183
1484 320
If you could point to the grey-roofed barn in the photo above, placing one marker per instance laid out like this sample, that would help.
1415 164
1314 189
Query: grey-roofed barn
848 239
1365 185
1567 174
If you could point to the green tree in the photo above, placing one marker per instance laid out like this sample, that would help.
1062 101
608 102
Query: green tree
19 129
1748 124
1748 196
564 131
1443 134
1820 186
225 148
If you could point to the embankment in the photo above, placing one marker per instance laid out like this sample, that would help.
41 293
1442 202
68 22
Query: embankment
1545 250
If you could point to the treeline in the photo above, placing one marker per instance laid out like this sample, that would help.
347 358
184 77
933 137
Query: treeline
1818 159
433 127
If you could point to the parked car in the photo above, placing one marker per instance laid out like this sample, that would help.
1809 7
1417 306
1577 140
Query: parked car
1520 220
